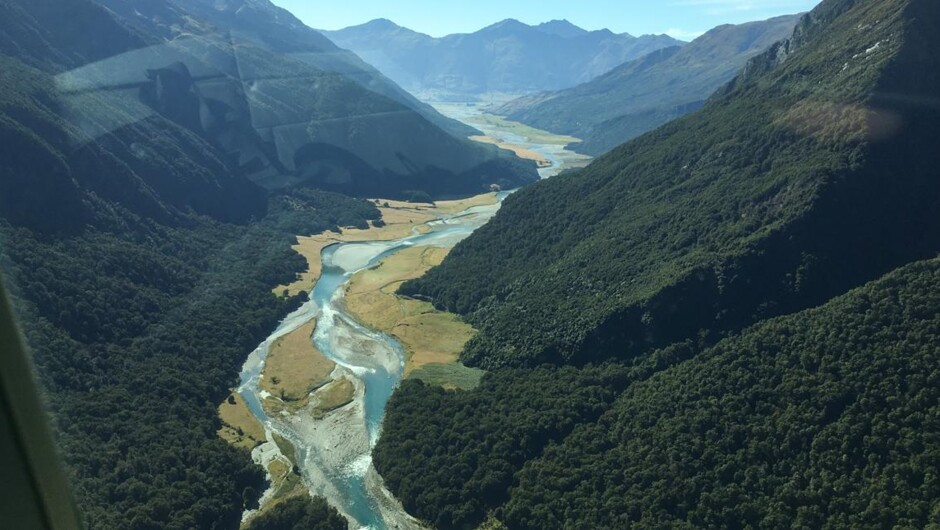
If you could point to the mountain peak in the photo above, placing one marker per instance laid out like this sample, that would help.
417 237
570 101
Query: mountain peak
551 56
509 24
381 23
562 28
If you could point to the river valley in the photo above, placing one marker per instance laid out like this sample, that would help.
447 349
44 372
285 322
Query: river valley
323 433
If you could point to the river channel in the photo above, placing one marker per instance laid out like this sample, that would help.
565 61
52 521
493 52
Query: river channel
333 453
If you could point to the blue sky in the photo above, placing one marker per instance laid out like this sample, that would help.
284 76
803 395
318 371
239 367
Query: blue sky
684 19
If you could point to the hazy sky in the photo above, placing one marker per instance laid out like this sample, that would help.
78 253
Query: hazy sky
680 18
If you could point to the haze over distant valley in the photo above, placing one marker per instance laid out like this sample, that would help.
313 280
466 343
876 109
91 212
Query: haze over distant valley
508 57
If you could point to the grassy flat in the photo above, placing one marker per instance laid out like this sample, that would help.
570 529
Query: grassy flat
400 218
310 248
451 207
450 376
337 394
286 447
295 367
239 426
286 483
521 152
534 135
430 337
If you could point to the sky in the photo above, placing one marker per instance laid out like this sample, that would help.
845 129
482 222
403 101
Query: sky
682 19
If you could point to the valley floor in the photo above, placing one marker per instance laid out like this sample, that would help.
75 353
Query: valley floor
313 426
399 219
547 149
322 401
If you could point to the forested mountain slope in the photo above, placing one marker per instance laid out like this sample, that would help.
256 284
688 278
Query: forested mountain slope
138 331
140 259
53 159
827 418
811 173
507 57
806 188
643 94
38 34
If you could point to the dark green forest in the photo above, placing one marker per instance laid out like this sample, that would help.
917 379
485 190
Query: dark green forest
138 334
300 513
479 440
797 182
823 419
758 287
140 261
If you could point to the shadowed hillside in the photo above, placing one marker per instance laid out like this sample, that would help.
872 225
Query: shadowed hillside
749 294
810 174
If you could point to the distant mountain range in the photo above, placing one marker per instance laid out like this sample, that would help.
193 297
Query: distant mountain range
508 57
643 94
